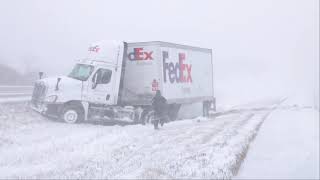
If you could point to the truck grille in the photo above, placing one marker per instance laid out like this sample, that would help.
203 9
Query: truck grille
39 92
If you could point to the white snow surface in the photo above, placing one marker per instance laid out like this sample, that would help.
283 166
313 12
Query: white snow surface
286 147
32 146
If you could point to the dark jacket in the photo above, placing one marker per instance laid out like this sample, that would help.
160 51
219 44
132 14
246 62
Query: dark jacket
159 104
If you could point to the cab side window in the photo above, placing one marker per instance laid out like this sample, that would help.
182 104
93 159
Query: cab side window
103 76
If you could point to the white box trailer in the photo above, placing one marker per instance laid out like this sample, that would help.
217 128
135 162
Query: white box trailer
183 74
117 80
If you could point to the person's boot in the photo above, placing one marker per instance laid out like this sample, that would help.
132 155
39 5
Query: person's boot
155 124
162 122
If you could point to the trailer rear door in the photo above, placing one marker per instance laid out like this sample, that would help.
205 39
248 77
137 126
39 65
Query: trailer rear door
187 73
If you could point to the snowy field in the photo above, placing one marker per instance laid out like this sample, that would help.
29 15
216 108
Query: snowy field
32 146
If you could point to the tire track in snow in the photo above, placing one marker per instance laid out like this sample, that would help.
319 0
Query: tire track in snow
196 152
132 161
233 134
131 164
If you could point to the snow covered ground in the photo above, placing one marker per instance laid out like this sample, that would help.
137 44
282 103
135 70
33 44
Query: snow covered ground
225 146
286 147
34 147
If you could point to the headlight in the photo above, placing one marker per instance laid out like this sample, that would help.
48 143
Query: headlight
51 99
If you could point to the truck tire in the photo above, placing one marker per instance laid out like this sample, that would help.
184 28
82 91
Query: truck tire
173 111
72 114
145 116
206 108
148 117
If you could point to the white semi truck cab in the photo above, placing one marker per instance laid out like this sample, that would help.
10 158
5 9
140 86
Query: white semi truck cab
117 81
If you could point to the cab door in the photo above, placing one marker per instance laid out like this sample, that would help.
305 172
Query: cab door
102 86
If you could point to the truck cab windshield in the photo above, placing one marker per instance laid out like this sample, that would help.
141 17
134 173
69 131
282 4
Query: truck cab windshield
81 72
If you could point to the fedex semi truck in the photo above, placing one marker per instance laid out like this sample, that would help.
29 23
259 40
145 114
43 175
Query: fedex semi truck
117 81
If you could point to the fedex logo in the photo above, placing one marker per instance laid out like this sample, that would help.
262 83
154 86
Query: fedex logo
176 72
139 55
94 48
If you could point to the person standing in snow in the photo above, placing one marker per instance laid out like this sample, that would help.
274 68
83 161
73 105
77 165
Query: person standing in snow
159 105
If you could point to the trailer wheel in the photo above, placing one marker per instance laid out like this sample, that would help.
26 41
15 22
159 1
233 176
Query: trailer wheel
147 117
72 114
173 110
206 108
151 117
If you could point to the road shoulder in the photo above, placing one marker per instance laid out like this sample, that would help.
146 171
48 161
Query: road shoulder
287 146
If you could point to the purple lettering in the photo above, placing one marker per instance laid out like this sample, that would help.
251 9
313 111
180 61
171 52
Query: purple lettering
176 71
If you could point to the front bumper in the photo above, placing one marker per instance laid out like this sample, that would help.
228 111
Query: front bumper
49 109
40 108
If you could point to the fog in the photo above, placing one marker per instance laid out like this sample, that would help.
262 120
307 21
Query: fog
260 48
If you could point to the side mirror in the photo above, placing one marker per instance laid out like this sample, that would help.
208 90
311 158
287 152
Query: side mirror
57 85
95 81
40 75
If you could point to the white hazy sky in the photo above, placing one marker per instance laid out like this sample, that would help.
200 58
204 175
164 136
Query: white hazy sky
259 46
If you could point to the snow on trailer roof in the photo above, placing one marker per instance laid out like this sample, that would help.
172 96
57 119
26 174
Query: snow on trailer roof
169 44
88 61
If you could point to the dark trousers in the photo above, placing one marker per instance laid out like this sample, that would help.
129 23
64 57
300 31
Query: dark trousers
159 118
